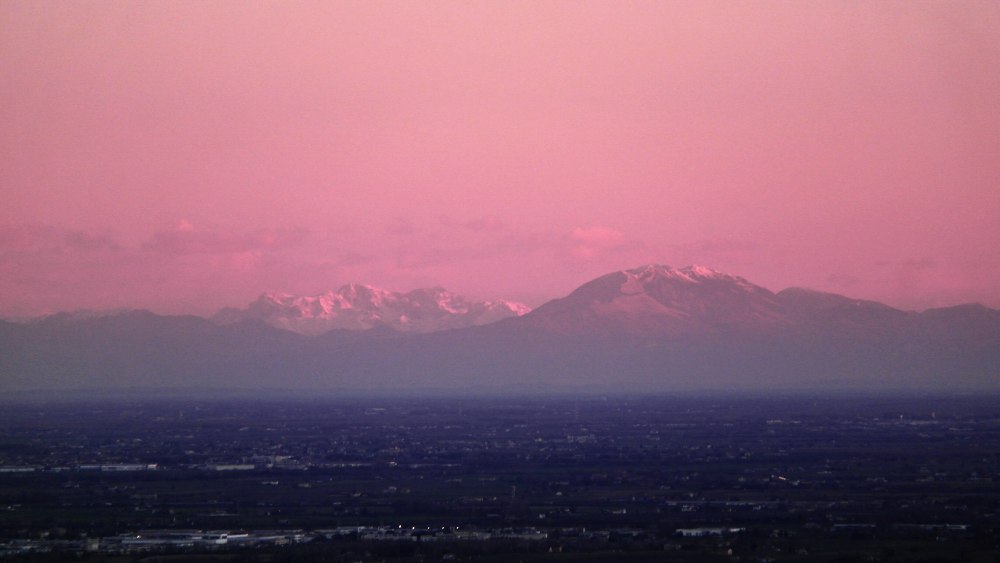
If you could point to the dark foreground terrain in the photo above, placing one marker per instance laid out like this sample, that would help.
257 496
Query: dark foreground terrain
794 478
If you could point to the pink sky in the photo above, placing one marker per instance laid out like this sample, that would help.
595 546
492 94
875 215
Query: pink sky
182 156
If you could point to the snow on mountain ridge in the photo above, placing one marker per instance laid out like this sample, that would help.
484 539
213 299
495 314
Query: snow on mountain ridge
361 307
693 273
659 299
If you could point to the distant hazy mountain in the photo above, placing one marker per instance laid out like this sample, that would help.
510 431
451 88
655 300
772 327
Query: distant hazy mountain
658 301
649 329
361 307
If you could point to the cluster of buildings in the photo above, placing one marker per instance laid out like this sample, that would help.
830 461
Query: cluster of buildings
107 467
149 540
153 540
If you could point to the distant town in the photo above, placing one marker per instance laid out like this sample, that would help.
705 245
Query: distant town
701 478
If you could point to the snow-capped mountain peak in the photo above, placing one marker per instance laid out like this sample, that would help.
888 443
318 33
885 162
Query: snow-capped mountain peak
692 274
659 299
361 307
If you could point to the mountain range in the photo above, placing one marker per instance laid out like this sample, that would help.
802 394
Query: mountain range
362 307
648 329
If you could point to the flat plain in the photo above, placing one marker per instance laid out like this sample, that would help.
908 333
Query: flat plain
601 478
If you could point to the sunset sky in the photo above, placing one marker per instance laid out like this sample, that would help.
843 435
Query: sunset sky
183 156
